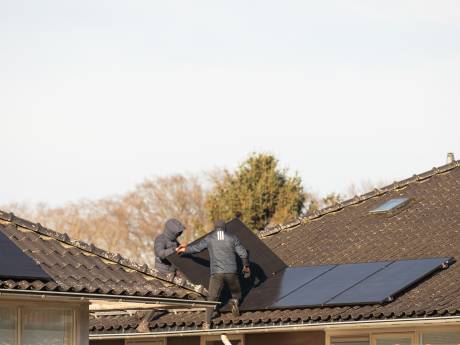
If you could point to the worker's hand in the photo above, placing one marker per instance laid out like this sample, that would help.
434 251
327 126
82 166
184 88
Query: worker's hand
181 249
246 272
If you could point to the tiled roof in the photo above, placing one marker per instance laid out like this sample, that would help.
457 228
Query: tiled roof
429 226
76 266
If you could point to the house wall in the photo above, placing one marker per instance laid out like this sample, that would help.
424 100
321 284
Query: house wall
286 338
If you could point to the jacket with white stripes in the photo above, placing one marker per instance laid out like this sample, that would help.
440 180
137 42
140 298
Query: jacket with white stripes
223 248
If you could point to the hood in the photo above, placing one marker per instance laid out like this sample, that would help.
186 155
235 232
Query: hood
219 224
173 229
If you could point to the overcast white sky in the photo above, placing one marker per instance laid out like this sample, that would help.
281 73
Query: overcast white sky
96 95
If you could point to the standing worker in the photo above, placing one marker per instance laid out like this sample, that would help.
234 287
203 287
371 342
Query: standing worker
166 244
223 248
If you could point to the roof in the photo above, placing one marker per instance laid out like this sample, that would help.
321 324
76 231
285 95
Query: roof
429 226
79 267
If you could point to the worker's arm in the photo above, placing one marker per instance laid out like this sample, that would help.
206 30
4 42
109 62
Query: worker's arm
242 252
197 247
161 251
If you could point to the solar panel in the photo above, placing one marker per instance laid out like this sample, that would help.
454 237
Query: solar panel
325 287
14 264
390 205
264 263
390 281
281 285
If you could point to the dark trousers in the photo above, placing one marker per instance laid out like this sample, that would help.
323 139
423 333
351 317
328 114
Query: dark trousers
217 282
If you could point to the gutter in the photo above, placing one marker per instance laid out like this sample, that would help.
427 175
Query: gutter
107 297
320 326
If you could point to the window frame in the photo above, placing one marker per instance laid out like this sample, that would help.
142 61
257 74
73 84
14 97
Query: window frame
390 335
19 306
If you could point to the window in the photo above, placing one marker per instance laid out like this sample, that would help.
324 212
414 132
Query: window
393 339
7 325
350 341
441 338
36 326
52 327
390 205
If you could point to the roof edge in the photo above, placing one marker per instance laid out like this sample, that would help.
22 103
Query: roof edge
280 326
91 248
360 198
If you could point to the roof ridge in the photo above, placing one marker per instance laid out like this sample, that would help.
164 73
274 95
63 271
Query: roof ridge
91 248
360 198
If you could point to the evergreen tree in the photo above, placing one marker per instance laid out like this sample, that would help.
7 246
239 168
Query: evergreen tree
258 190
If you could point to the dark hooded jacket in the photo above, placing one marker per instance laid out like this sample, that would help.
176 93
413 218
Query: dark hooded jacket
166 244
223 248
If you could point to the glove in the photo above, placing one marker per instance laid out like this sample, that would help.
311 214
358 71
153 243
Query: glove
246 272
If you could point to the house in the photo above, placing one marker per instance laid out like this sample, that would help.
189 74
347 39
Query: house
48 282
415 218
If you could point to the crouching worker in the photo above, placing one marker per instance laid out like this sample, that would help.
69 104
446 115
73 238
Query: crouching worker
166 244
223 248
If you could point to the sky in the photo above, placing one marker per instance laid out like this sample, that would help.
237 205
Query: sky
97 95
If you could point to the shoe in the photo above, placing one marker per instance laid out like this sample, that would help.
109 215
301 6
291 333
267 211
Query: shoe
215 314
235 308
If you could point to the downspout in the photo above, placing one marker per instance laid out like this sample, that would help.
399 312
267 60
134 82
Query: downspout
225 339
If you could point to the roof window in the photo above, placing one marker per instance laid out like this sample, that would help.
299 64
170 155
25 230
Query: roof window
390 205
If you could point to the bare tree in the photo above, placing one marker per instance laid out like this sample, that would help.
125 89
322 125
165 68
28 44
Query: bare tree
127 224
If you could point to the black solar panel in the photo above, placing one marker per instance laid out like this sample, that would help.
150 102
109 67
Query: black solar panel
281 285
390 281
325 287
14 264
264 263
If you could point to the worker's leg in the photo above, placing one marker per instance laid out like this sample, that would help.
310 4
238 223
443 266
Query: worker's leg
233 282
216 282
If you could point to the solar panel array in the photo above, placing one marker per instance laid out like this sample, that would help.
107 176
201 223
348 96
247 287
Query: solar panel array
273 285
15 264
335 285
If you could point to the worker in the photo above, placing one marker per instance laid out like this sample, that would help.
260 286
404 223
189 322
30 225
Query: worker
166 244
223 248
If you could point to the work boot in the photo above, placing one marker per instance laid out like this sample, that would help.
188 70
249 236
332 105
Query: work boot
235 308
215 314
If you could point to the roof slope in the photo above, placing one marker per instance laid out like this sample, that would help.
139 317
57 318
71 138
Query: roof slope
79 267
429 226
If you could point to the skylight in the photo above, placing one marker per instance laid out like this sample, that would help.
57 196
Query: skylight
390 205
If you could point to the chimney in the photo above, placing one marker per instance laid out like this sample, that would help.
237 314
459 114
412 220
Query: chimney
450 157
